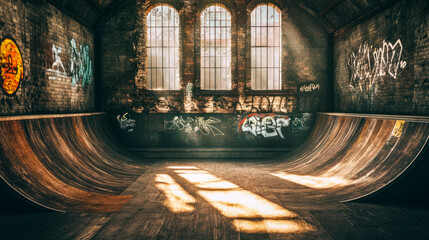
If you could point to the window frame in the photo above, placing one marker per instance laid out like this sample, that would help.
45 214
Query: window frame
148 47
232 9
284 88
229 41
277 45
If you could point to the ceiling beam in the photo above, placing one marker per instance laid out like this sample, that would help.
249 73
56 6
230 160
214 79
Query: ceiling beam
72 15
113 6
328 26
368 15
97 6
330 7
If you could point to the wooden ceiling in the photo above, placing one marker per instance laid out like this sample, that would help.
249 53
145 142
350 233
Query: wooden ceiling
334 14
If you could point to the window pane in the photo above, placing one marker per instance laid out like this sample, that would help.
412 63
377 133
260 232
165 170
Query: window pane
265 47
215 48
163 48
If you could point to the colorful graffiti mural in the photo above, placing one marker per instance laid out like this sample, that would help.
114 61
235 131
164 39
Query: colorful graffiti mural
12 67
267 125
80 64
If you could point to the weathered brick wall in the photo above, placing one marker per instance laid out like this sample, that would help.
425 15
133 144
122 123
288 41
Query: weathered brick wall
123 56
55 80
381 65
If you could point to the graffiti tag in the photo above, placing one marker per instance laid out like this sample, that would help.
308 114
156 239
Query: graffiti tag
12 67
80 64
125 122
368 63
398 129
265 104
301 124
195 124
267 125
189 104
56 51
309 88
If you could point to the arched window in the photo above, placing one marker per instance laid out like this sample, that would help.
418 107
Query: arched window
163 48
215 48
266 47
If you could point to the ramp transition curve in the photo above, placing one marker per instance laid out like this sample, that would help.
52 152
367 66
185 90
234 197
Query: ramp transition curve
73 163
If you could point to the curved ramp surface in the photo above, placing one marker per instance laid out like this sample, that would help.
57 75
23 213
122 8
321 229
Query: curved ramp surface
352 156
72 162
65 162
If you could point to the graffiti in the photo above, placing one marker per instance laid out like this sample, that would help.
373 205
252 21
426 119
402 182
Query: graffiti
86 65
309 88
153 104
189 104
166 104
125 122
398 129
74 62
56 51
265 104
80 64
12 67
57 71
368 64
302 124
195 124
218 104
267 125
189 89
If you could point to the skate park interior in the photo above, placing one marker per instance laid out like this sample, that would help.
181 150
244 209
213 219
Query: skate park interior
214 119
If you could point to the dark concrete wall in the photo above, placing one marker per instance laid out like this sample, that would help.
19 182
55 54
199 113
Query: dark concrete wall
381 65
123 56
46 87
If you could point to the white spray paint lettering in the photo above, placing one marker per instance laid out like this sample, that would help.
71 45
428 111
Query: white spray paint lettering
57 71
265 125
368 64
125 122
301 124
309 88
56 51
196 124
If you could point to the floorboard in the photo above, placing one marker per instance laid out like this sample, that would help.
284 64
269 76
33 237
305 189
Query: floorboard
151 215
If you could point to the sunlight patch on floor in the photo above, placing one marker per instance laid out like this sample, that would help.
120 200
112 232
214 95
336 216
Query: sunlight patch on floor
178 200
203 179
182 167
273 226
250 212
312 181
244 204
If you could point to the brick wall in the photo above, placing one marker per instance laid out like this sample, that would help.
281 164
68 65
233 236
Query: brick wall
54 81
381 65
123 57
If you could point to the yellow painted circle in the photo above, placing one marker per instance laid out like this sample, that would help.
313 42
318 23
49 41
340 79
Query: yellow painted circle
12 68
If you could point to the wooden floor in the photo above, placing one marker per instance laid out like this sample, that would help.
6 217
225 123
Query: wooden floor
221 200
